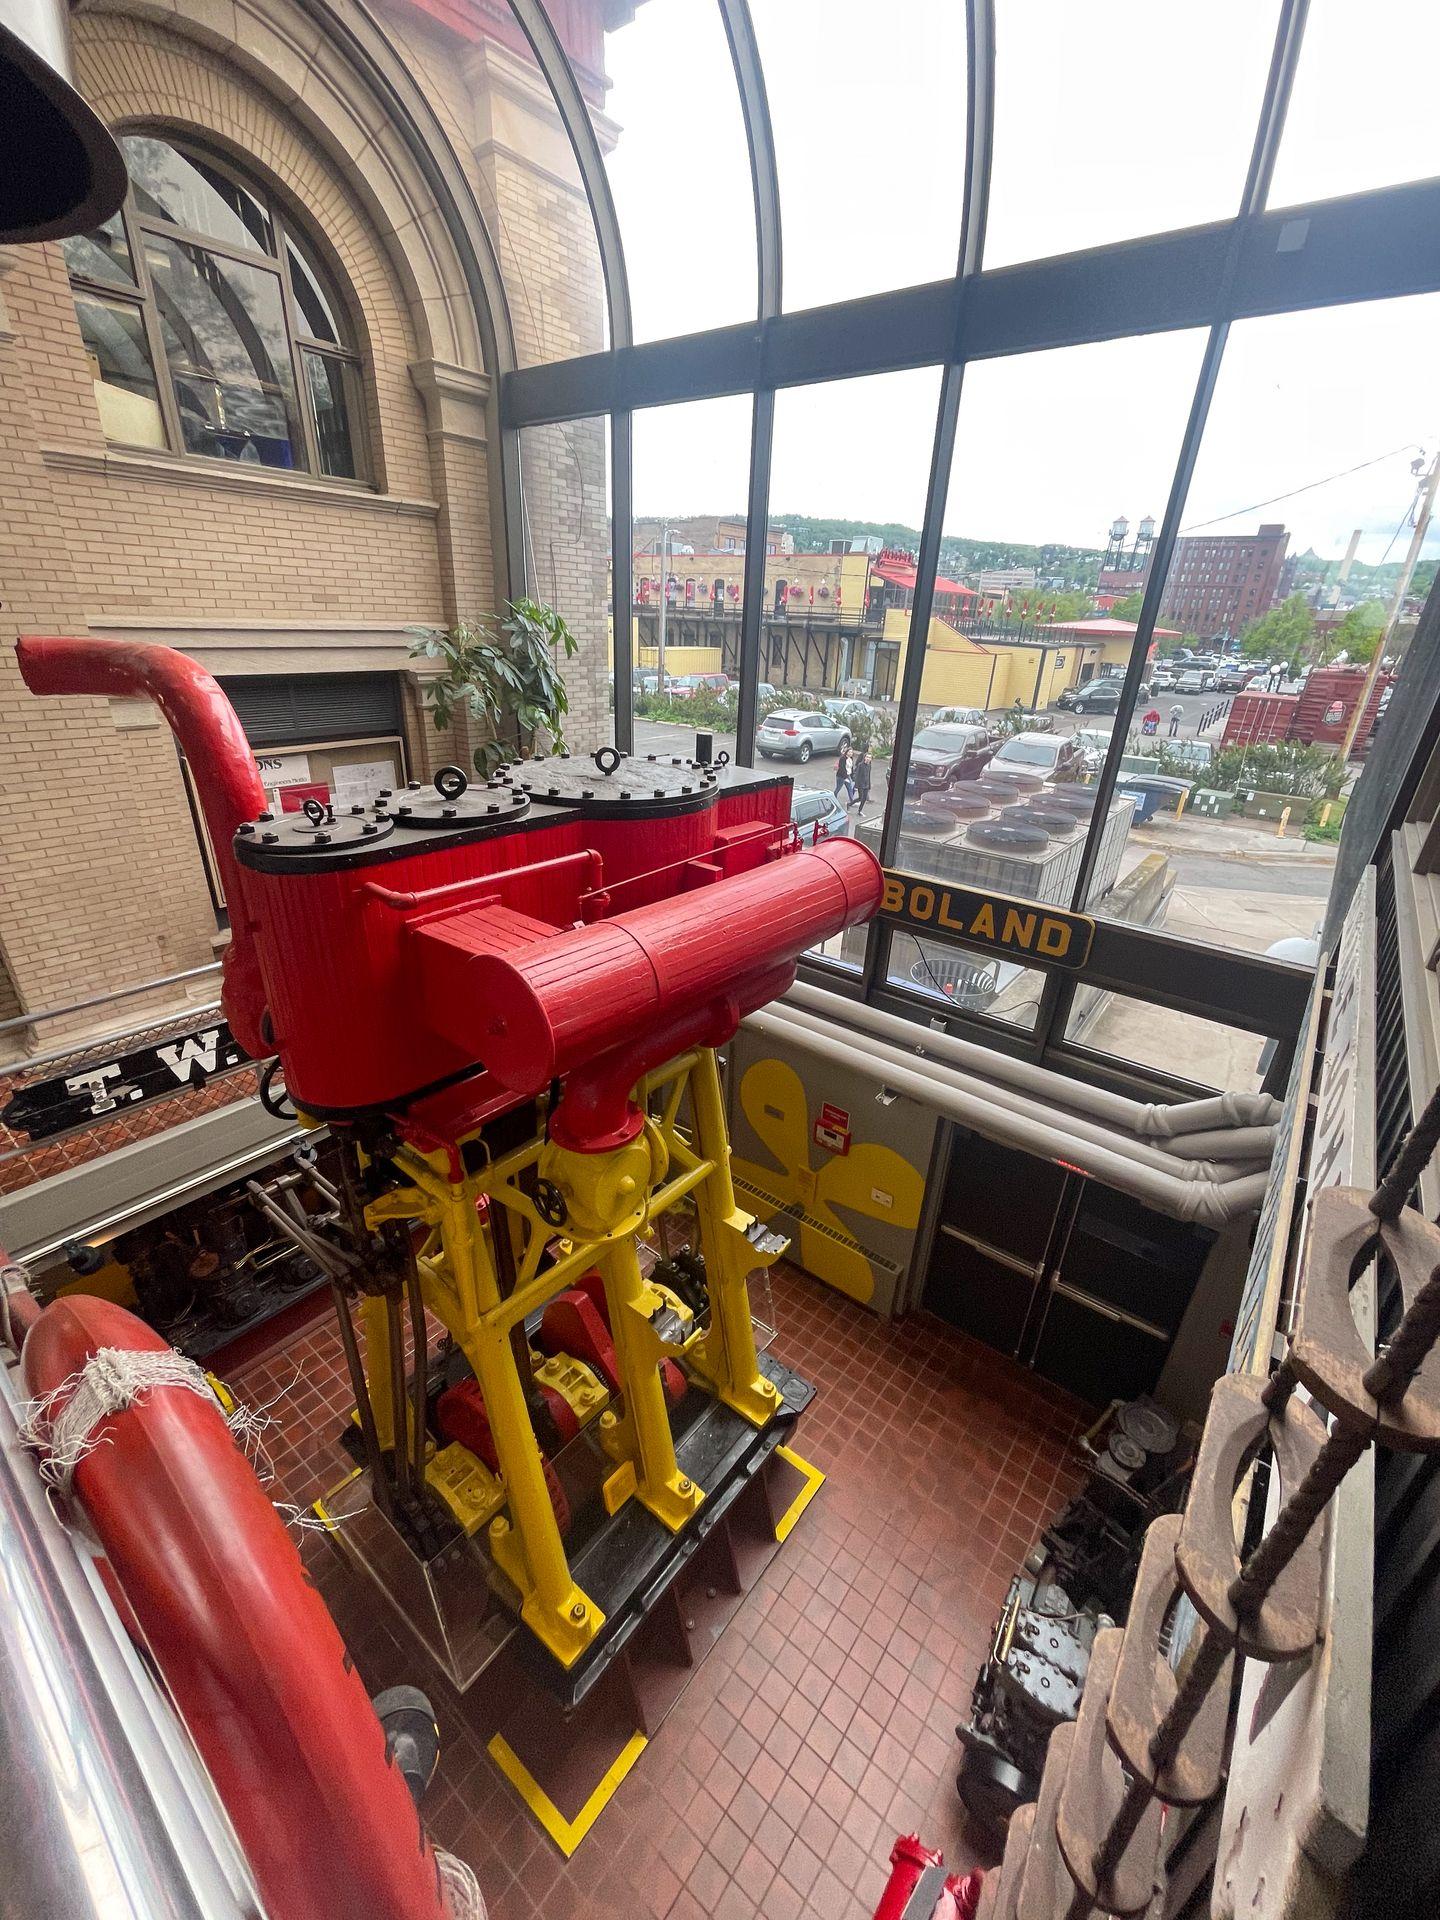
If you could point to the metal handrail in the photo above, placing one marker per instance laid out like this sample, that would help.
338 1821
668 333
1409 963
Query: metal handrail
104 999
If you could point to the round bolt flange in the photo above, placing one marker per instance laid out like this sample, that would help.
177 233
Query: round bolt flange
577 1612
685 1486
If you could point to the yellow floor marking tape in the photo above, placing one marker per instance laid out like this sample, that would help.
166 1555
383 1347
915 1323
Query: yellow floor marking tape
567 1834
814 1480
319 1508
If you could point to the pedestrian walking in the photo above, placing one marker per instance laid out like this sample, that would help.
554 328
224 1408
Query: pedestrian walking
1177 714
844 777
864 768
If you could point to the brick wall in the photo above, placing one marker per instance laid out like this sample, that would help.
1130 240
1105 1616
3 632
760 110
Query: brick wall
101 882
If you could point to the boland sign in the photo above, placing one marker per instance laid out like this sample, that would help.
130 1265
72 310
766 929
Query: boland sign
1045 936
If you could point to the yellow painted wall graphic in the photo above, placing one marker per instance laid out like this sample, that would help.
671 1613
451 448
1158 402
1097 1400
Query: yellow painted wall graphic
773 1100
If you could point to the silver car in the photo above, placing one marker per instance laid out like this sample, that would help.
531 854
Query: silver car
814 812
798 734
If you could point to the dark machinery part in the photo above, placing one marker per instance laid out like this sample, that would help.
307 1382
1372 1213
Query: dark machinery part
1078 1579
1139 1467
1028 1686
684 1275
217 1266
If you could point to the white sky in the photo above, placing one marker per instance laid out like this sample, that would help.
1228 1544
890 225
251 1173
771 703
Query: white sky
1112 120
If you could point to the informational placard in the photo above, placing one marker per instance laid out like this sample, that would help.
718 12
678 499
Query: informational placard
282 770
360 783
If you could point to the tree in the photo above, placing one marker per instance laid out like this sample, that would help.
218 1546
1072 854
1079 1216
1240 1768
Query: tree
1359 633
1284 633
1073 604
1128 608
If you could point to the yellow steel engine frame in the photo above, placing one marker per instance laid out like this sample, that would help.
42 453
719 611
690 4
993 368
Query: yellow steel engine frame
612 1200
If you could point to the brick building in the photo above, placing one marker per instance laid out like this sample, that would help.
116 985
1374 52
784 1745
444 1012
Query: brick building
1219 583
255 420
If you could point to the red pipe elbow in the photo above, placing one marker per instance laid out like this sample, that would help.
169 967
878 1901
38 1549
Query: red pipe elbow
246 1646
226 777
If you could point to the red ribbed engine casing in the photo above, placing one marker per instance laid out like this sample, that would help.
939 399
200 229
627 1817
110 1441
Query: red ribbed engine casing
567 910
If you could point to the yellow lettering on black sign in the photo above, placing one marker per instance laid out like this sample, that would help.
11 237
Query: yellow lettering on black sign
966 916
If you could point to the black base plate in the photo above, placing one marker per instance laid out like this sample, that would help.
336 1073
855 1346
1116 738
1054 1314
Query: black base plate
631 1559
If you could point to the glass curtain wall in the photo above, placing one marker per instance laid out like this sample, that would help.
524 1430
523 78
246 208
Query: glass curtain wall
1166 416
1057 440
687 570
850 459
565 480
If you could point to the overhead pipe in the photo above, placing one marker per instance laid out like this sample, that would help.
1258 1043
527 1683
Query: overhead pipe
1076 1126
245 1644
1235 1143
227 778
1203 1202
106 1812
1162 1120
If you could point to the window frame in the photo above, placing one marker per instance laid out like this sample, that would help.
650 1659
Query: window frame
141 295
1370 245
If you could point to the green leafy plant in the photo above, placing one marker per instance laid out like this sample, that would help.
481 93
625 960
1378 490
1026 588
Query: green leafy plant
1330 832
1310 773
506 674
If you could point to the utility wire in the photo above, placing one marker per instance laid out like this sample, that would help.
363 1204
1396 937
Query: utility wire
1309 487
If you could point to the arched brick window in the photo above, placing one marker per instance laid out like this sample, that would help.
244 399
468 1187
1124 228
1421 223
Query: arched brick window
211 327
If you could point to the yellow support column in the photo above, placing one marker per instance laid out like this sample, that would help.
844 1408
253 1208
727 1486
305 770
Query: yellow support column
728 1358
644 1435
377 1368
530 1551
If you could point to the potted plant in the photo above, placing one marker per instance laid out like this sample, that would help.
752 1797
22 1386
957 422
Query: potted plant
506 673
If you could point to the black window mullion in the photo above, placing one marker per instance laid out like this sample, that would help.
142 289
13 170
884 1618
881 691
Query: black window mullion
154 335
290 309
188 237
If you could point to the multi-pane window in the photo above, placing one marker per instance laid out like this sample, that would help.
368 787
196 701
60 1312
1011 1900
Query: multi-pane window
210 325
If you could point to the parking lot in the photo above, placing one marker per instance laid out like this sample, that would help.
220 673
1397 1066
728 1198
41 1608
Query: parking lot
658 736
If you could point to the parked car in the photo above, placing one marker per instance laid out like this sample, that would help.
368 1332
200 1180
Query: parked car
1162 679
1092 744
942 755
795 733
817 812
692 683
1098 696
850 713
764 691
1050 755
650 683
1196 680
957 717
1233 677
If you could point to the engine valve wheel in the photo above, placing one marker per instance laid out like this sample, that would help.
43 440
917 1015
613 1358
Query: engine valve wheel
550 1203
992 1789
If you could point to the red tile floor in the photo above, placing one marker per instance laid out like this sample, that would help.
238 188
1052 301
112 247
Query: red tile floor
822 1724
